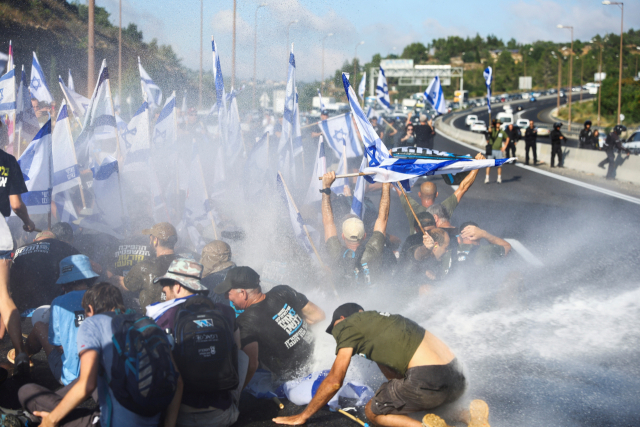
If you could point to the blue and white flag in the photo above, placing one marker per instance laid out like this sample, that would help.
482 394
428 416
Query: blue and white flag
296 132
339 183
107 192
300 392
434 96
363 86
76 102
8 93
151 92
66 172
38 87
382 91
322 107
488 79
398 169
221 98
339 132
357 204
235 144
319 169
289 106
134 138
35 164
165 130
99 131
70 84
27 125
297 222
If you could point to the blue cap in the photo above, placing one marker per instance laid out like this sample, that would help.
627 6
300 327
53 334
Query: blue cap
74 268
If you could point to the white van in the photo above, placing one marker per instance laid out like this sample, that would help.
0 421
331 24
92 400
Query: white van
470 119
505 118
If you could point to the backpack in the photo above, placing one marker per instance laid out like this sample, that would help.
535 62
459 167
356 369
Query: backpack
205 350
143 378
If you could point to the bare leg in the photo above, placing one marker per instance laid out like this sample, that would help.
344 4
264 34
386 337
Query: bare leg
8 309
39 339
3 328
500 171
390 420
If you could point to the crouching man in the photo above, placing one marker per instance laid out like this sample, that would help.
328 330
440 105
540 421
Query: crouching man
422 371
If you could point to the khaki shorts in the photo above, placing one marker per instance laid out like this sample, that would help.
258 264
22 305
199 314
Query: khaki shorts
422 388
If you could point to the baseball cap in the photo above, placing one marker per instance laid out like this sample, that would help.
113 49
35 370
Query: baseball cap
353 229
161 230
74 268
216 254
345 310
239 278
63 231
186 272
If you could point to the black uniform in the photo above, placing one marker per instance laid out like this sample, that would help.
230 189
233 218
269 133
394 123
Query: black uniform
556 146
585 138
610 145
530 135
514 136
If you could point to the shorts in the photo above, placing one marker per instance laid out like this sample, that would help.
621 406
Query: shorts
496 154
422 388
6 254
55 362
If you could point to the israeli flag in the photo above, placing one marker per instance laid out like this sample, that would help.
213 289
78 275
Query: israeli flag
151 92
319 169
99 130
441 163
70 84
362 86
39 89
339 132
134 139
235 142
289 107
296 219
434 96
488 79
382 91
357 204
221 98
165 130
297 131
8 93
106 189
35 164
256 168
339 183
300 392
66 172
76 102
27 124
322 107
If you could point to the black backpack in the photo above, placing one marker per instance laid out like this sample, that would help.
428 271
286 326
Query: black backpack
205 351
143 378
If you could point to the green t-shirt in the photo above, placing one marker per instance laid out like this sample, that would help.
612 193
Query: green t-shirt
495 139
449 204
372 252
388 339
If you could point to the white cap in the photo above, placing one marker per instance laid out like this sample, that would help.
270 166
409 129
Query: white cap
353 229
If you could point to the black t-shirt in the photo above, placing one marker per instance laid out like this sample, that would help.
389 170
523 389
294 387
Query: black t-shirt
128 253
285 343
35 270
424 136
11 181
213 280
99 247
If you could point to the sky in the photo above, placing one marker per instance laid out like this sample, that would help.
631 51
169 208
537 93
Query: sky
384 26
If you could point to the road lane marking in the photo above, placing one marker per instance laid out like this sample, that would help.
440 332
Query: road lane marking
556 176
524 252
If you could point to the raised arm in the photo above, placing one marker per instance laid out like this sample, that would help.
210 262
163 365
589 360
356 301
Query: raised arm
327 213
474 233
466 183
383 211
328 388
21 211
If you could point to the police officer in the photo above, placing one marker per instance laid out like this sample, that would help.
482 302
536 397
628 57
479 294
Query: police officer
585 135
610 144
530 135
513 132
556 144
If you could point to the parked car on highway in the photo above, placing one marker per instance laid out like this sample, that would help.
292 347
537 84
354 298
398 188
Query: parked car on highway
633 142
543 131
522 123
506 118
478 126
470 119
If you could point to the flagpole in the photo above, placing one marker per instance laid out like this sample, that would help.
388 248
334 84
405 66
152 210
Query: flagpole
209 214
412 211
304 226
351 175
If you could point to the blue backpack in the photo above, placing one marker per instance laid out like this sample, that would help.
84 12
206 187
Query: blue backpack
143 378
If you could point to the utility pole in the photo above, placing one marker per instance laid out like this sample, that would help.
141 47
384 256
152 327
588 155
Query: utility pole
255 53
559 79
600 85
120 52
570 70
581 75
91 61
200 75
621 34
233 48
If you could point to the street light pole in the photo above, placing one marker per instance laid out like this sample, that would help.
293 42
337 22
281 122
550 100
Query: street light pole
607 3
322 80
120 53
200 75
233 48
255 52
355 68
90 54
570 71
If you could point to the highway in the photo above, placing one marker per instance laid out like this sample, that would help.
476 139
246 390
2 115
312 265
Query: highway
537 111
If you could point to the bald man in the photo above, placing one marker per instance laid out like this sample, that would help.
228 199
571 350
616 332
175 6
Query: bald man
428 193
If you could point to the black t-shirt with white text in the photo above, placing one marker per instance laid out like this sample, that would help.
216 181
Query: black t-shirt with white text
35 270
128 253
11 181
285 343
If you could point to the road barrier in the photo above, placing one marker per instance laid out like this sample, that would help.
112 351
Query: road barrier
579 159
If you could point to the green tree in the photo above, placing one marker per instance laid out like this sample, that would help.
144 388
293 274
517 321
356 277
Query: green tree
416 51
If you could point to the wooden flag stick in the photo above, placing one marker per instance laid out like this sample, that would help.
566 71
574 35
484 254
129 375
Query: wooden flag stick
349 175
412 211
348 415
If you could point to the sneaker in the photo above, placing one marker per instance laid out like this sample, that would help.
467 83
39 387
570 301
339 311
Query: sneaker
22 362
478 414
499 179
486 179
432 420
